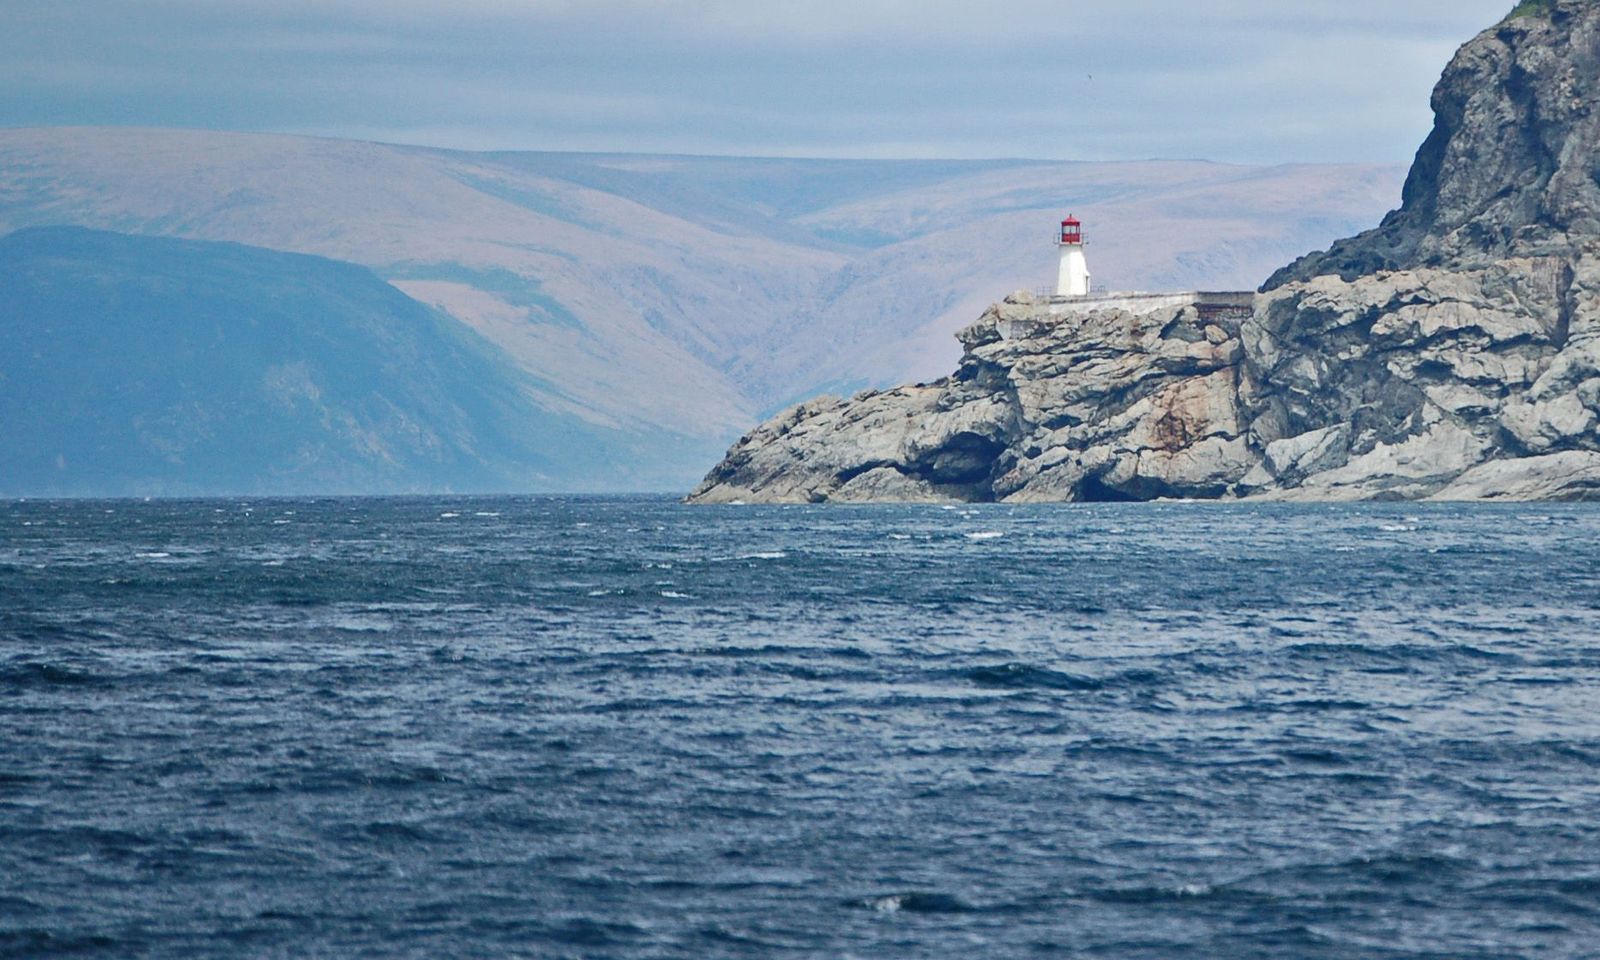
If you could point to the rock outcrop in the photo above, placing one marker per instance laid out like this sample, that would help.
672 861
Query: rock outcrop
1452 352
1103 405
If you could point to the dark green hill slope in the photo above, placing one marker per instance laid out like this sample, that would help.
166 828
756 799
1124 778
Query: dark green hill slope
138 365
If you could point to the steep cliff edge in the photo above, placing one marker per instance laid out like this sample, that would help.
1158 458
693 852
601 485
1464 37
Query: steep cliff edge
1452 352
1510 169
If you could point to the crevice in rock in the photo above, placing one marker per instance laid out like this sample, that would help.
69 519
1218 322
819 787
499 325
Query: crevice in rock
845 476
1567 305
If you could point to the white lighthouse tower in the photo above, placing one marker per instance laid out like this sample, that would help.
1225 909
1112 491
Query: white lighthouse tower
1074 280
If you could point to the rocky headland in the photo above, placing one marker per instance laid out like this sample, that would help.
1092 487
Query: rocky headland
1451 353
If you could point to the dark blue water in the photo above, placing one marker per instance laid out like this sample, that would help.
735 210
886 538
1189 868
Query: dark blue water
627 728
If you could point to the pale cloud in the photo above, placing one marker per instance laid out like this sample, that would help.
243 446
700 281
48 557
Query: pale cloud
1256 80
881 20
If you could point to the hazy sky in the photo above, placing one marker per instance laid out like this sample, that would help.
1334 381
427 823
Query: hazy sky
1245 80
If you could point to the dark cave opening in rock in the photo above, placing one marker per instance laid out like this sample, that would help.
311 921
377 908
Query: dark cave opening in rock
1095 490
965 459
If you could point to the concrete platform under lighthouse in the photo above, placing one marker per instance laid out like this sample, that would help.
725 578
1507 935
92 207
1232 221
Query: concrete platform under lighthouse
1212 305
1041 314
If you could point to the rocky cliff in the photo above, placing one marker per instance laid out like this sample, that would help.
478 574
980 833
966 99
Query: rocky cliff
1452 352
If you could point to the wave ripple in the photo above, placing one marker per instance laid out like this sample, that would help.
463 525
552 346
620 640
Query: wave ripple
429 727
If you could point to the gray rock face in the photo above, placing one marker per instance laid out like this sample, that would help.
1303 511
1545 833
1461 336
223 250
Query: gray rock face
1405 385
1394 385
1510 168
1453 352
1109 405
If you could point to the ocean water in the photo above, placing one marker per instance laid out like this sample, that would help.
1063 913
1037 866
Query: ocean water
628 728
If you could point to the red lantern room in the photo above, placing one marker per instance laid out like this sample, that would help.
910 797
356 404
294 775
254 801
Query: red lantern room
1072 231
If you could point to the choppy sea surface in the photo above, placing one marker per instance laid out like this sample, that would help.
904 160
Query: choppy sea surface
627 728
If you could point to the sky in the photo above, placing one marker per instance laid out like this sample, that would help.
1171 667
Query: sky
1256 81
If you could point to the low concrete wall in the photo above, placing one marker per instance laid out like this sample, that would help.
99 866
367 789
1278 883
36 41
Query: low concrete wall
1129 302
1208 302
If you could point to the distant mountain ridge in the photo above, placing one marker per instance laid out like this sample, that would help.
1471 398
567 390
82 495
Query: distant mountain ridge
680 298
145 365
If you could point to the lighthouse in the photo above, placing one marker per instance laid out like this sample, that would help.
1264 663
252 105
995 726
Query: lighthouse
1073 280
